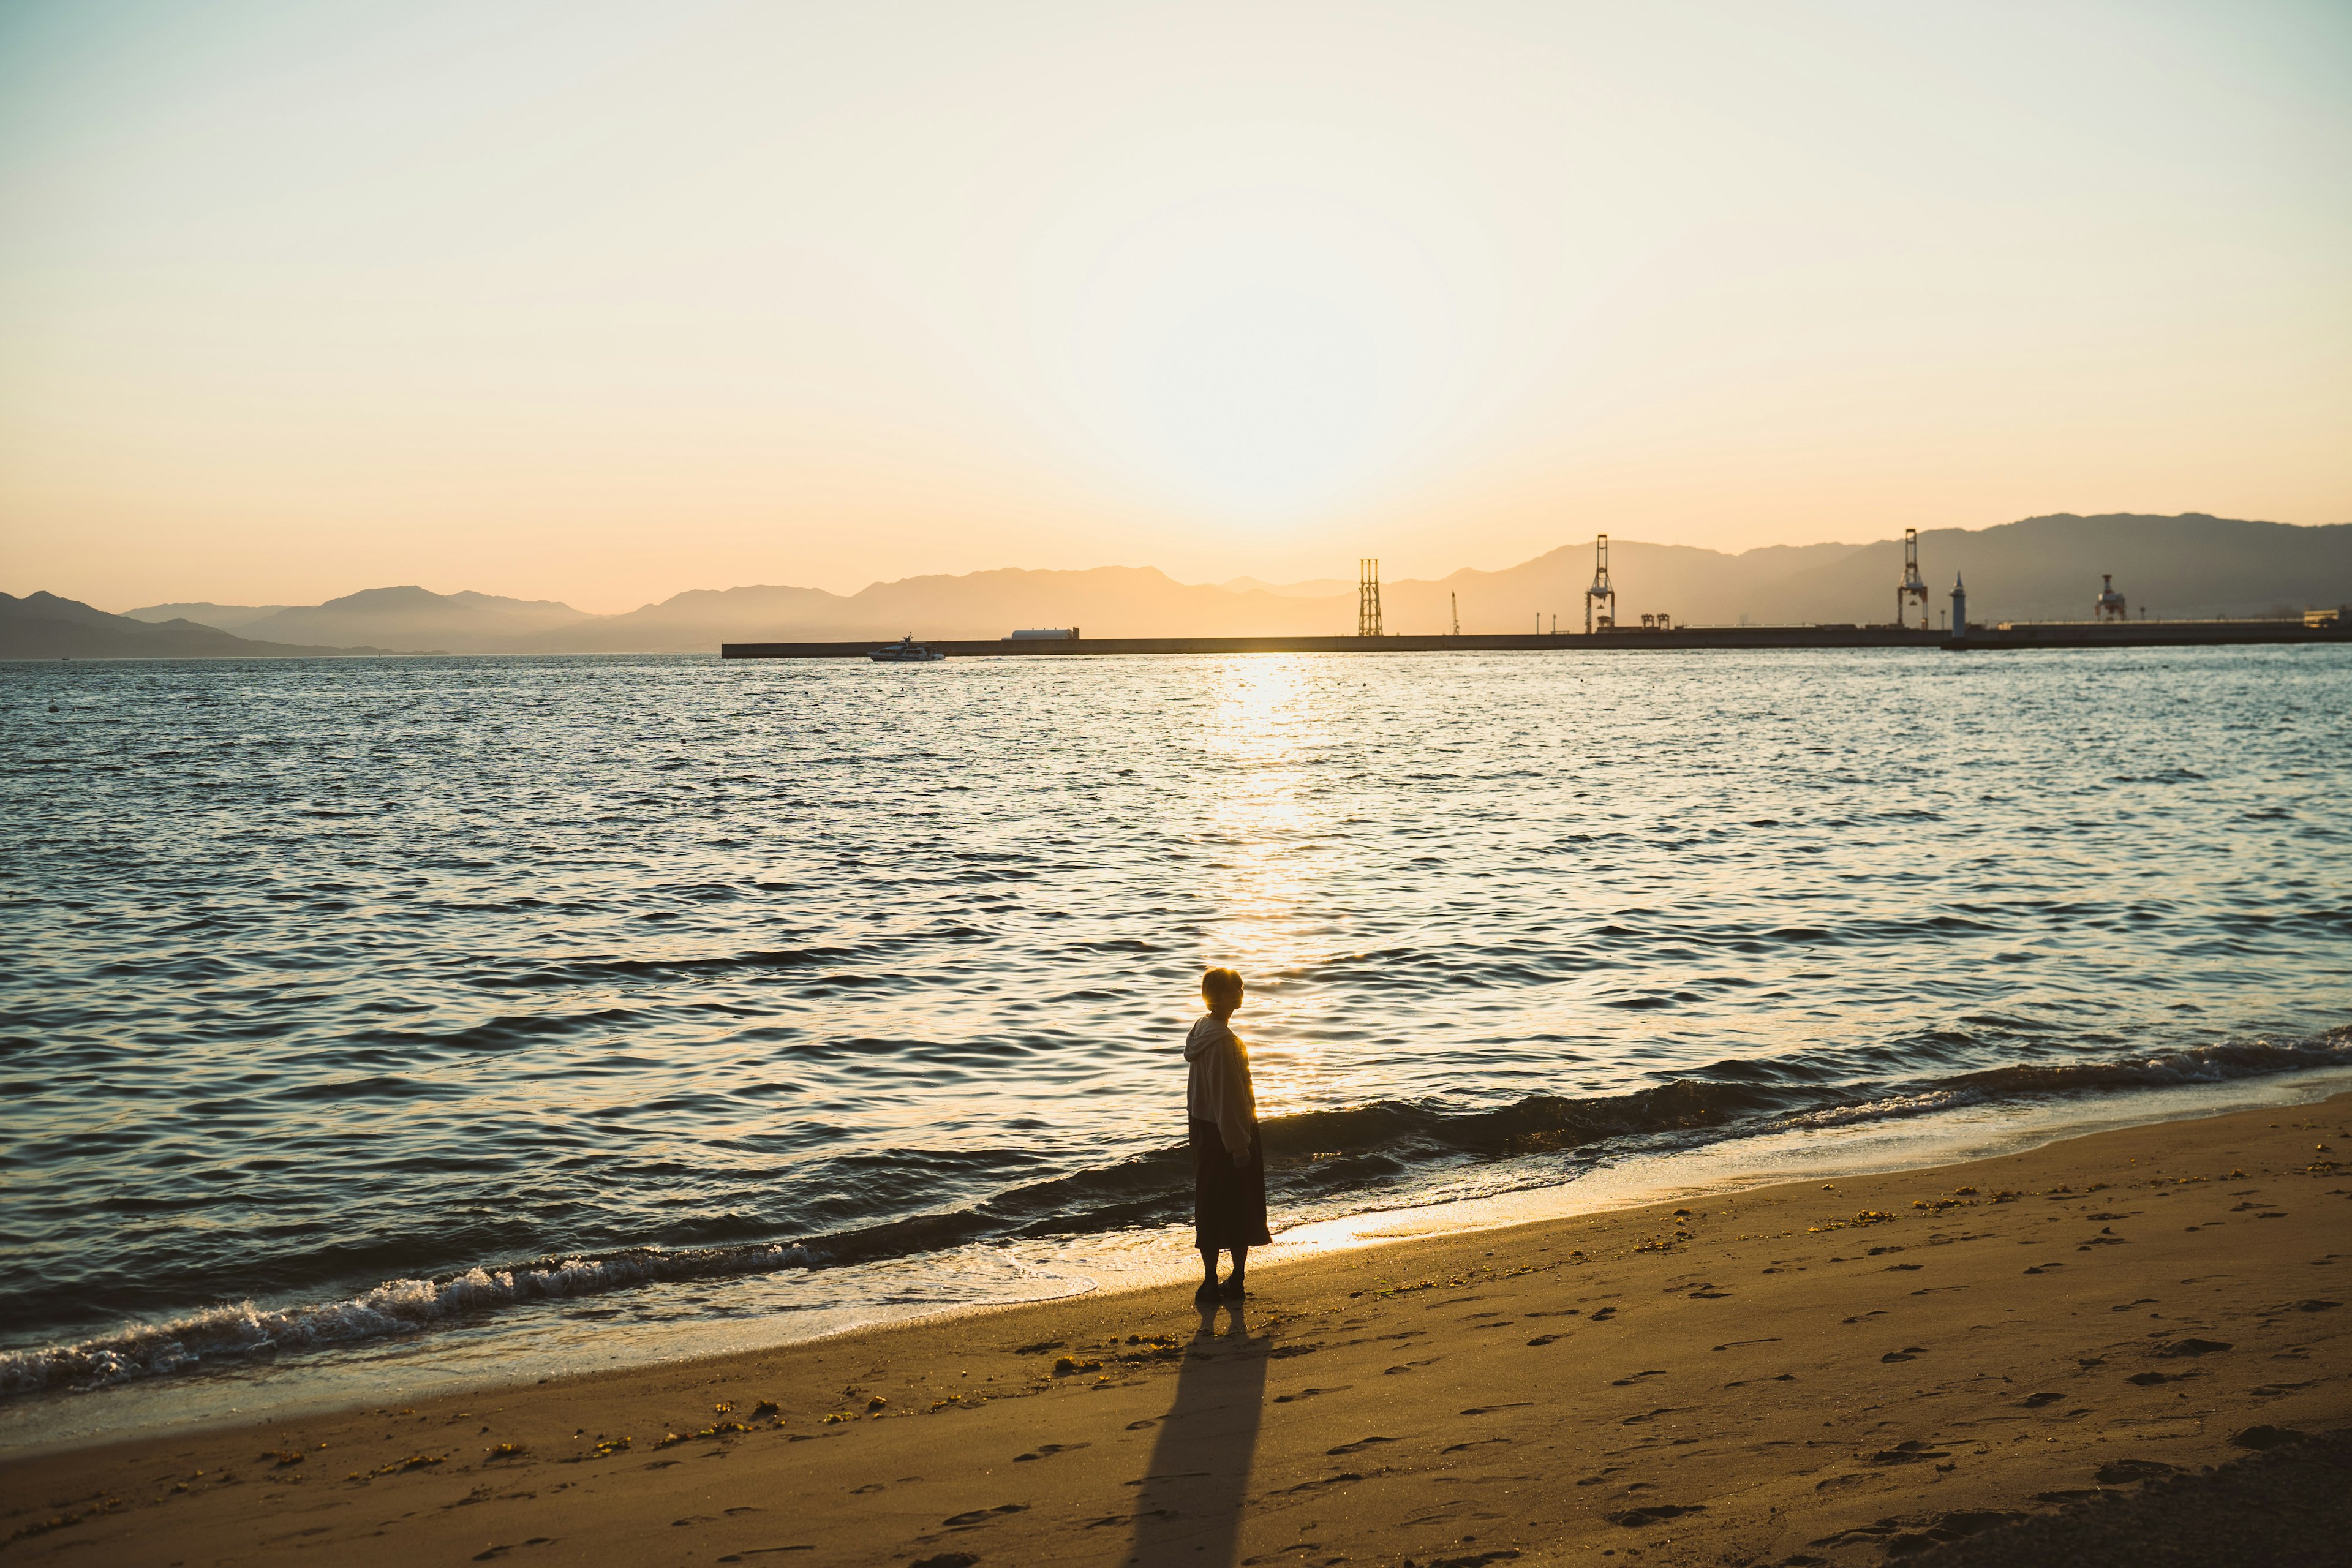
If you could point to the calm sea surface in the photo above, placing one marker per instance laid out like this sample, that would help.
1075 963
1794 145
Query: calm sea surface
347 1002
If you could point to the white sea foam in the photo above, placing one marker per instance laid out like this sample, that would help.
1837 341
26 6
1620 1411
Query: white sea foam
395 1307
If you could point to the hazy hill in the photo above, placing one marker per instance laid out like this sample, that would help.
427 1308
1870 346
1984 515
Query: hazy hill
1686 582
1315 588
42 626
412 619
696 621
2043 568
226 617
2048 568
1107 601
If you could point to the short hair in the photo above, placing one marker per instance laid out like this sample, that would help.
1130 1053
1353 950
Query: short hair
1217 984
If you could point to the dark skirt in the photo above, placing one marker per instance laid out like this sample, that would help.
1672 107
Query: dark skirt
1228 1204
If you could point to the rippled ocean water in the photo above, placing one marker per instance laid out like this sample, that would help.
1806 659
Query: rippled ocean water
356 1002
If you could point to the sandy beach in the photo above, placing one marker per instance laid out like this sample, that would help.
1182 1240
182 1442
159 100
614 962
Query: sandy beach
1795 1375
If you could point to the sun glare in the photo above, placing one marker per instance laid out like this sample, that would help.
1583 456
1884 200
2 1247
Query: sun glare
1266 335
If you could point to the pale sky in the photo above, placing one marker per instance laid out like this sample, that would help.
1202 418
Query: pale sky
601 301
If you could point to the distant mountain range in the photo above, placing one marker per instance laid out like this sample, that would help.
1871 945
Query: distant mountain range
42 626
409 620
2043 568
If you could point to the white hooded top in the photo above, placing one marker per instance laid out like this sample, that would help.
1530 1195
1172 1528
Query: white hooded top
1219 1087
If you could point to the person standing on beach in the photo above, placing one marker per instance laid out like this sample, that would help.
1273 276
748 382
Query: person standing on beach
1228 1164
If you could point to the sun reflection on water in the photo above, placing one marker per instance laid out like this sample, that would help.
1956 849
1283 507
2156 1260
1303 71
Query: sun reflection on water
1262 823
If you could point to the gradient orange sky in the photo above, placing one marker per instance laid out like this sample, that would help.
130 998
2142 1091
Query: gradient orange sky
599 301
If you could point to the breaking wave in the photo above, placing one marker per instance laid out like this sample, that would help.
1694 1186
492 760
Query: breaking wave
395 1307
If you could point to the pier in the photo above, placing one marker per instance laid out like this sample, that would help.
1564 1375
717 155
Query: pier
2004 636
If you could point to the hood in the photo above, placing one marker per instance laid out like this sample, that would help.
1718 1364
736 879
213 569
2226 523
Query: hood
1208 1032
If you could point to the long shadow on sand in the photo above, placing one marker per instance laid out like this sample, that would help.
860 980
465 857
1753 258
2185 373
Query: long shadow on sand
1188 1512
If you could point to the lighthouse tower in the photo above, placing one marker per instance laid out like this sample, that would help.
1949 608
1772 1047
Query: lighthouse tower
1959 609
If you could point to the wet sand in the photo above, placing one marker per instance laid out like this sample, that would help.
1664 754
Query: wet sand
1795 1375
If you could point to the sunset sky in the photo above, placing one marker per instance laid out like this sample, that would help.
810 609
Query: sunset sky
602 302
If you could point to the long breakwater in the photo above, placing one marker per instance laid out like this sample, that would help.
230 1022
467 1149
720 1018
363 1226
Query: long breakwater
2006 636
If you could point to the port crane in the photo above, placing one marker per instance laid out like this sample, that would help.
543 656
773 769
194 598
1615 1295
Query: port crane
1914 586
1602 591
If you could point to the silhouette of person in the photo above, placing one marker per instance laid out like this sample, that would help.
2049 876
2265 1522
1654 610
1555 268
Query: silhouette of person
1228 1164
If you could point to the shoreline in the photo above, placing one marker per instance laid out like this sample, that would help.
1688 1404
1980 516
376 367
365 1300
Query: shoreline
520 1346
1539 1389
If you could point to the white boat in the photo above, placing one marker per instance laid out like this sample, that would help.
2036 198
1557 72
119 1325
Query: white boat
906 650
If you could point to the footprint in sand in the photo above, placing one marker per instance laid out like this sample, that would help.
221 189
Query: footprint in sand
1360 1444
1046 1450
1905 1353
2124 1472
1656 1513
983 1515
1284 1398
1603 1315
2193 1348
2036 1401
1545 1339
1629 1381
1653 1415
1911 1453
